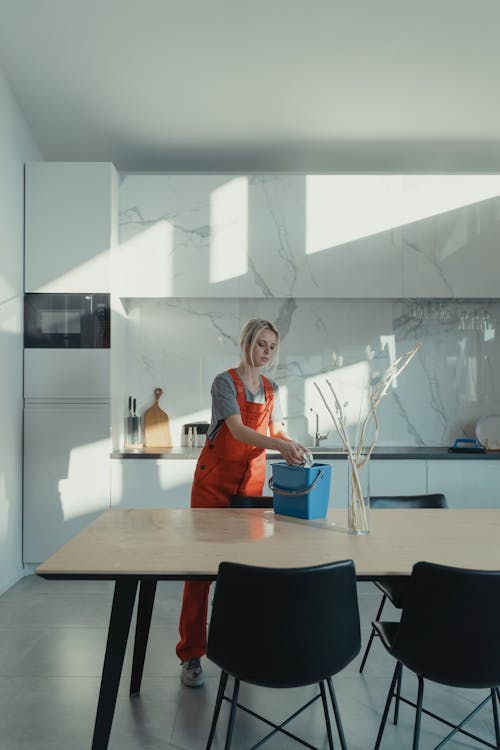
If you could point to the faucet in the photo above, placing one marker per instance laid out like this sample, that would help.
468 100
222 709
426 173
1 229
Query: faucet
318 437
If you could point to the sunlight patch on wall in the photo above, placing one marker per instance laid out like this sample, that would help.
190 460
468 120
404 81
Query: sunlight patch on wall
119 307
229 230
284 402
344 208
80 278
489 333
150 254
81 491
389 343
464 367
11 316
351 386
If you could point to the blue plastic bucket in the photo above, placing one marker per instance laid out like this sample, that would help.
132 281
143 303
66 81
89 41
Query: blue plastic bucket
301 491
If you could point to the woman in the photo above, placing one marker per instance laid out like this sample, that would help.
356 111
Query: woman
245 408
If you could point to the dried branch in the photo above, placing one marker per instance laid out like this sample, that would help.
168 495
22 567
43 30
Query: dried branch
359 454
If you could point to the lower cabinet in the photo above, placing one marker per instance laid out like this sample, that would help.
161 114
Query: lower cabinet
398 477
339 484
67 478
65 474
467 484
166 483
151 483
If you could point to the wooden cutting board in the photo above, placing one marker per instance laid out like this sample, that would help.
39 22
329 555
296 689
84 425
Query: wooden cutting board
157 425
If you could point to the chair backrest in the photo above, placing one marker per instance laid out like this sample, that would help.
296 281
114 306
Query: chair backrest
449 626
436 500
252 501
284 627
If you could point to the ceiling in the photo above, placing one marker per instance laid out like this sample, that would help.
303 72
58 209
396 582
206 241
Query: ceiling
256 85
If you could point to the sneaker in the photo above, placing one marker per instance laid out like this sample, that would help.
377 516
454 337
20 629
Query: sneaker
192 673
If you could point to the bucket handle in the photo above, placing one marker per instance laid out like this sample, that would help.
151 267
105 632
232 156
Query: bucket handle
295 493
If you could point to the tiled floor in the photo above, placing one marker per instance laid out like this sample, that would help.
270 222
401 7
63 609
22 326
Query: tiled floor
52 640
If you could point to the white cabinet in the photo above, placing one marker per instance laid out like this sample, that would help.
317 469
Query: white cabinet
398 477
338 483
71 219
77 374
469 483
151 483
66 473
345 236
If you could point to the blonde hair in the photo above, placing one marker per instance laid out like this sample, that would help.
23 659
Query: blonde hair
248 338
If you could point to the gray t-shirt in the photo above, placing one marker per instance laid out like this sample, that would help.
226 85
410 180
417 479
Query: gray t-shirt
224 401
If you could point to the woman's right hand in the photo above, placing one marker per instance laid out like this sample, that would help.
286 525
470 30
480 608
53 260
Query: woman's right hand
292 452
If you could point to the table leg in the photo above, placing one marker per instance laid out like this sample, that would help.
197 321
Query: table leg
147 592
119 625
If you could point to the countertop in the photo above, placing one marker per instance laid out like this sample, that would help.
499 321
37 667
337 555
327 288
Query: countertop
382 452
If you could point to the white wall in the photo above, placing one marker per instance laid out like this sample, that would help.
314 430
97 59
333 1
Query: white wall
16 147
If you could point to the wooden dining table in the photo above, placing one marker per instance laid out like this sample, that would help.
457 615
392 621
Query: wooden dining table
137 548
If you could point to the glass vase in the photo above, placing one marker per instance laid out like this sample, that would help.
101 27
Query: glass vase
359 494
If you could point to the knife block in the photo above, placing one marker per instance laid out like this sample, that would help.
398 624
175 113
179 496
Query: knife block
133 438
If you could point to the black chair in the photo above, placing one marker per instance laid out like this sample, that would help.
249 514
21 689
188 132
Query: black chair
448 634
283 628
252 501
394 588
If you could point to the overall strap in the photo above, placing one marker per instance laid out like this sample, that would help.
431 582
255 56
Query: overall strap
240 389
268 389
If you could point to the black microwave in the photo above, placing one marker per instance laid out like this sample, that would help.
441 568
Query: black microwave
66 321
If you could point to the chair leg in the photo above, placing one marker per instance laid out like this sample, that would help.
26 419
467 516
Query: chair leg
218 704
327 715
495 716
395 677
418 714
459 727
234 703
398 695
336 712
372 634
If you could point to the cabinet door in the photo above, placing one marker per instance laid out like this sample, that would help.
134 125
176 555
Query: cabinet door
467 483
151 483
338 483
71 219
66 474
76 374
398 477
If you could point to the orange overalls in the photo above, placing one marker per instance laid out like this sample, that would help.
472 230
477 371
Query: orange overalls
226 467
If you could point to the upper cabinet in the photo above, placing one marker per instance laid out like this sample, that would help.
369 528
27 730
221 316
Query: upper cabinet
267 236
308 236
71 212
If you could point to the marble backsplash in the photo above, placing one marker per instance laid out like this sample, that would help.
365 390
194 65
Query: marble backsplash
180 344
308 236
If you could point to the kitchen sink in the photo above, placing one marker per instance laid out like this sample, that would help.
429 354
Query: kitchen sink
326 449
